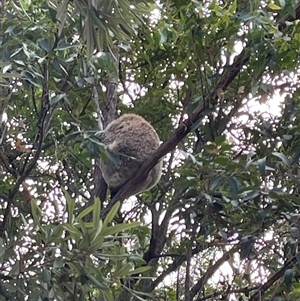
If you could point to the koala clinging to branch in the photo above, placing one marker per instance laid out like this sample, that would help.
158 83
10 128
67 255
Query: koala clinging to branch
130 140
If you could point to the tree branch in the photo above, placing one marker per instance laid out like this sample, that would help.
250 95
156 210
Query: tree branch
262 289
40 138
211 270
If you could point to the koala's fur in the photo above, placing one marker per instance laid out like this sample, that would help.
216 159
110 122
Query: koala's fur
130 140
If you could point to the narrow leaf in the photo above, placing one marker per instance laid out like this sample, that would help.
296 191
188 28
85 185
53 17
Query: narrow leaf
274 6
96 212
262 166
119 228
288 277
139 270
70 206
233 184
283 158
112 213
123 271
46 275
36 213
85 212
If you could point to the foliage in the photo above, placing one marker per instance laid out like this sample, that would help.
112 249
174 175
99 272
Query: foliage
224 220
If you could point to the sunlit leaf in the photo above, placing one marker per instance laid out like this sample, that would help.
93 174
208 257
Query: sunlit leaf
274 6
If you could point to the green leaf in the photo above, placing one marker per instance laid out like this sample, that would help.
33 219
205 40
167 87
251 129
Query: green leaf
123 271
220 139
232 8
288 277
46 275
64 47
70 206
283 158
85 212
45 44
119 228
62 15
296 157
282 3
186 182
111 214
262 166
286 204
291 8
6 68
247 244
95 234
250 195
274 6
54 100
139 270
36 212
74 232
108 295
97 240
163 35
96 213
83 227
52 13
98 284
215 182
58 262
15 269
261 215
233 185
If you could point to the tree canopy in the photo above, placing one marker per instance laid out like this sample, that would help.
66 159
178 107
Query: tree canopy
218 80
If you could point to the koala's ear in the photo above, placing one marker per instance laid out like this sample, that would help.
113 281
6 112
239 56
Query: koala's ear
100 135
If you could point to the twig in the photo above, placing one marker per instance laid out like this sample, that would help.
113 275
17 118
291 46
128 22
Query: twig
98 111
40 138
234 291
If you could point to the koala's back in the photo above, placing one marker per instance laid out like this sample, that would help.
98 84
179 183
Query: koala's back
132 135
133 140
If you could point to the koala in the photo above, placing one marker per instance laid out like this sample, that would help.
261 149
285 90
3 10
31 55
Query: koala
130 140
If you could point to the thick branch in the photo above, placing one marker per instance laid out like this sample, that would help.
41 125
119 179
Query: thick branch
109 114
